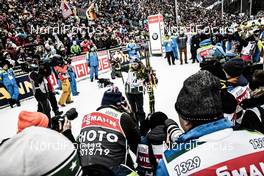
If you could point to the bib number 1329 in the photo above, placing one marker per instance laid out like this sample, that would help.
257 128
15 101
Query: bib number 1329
190 164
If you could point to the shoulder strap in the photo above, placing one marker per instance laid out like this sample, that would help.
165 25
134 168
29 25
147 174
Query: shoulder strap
152 158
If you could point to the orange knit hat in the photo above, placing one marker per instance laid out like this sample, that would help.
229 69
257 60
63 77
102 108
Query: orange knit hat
28 119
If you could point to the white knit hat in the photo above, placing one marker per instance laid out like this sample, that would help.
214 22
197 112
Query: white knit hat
39 151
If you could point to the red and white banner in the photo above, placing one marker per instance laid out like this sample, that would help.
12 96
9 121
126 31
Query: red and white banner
81 68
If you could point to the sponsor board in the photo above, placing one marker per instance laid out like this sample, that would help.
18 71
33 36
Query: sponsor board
80 67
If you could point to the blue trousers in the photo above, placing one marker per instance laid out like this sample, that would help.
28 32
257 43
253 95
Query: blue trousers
93 72
175 53
13 91
59 84
73 84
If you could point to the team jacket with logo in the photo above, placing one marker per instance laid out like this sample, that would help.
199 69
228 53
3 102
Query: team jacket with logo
224 152
105 137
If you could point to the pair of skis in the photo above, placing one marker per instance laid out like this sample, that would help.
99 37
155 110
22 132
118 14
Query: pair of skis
152 79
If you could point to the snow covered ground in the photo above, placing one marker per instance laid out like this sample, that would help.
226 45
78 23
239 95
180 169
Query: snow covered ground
170 82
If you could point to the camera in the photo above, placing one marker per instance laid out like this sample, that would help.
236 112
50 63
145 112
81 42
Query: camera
55 121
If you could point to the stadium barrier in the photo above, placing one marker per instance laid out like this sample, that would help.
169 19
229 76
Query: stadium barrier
80 67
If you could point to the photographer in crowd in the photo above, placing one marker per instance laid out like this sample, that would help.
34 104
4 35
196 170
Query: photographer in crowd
205 127
40 88
108 133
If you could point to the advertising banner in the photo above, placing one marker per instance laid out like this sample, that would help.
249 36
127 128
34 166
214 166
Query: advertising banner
121 54
80 67
156 32
25 90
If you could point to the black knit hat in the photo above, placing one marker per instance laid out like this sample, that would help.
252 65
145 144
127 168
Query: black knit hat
200 98
4 62
157 118
112 97
234 67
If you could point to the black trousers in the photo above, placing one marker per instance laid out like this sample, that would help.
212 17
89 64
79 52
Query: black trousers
136 102
43 103
53 101
170 57
194 55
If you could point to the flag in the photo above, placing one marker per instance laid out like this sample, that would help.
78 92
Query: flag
66 10
90 12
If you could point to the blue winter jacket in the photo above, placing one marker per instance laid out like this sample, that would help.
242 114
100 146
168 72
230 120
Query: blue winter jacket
168 45
7 77
131 48
191 136
174 42
92 59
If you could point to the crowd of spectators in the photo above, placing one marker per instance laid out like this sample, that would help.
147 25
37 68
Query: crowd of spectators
117 23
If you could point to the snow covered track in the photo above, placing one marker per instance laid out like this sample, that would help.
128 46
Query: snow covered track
170 82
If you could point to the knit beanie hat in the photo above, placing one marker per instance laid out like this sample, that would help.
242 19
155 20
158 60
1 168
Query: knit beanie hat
157 118
234 67
28 119
112 96
200 98
39 151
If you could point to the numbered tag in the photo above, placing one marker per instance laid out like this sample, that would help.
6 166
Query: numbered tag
134 80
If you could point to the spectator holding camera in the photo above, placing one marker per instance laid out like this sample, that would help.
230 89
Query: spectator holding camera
152 144
253 117
108 133
205 128
40 89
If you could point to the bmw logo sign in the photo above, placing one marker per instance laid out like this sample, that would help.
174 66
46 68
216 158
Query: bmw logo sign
155 36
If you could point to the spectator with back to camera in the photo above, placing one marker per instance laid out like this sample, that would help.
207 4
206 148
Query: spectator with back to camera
108 133
204 128
40 89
